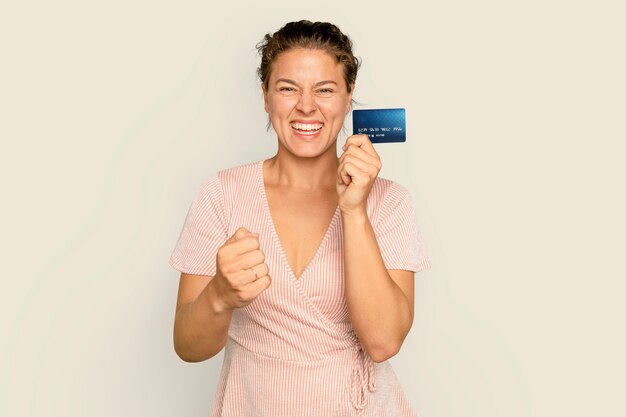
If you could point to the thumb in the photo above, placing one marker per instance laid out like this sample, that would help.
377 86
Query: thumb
239 233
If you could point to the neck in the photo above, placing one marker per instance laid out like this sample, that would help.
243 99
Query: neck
305 175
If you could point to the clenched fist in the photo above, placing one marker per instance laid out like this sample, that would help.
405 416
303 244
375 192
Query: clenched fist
241 273
359 165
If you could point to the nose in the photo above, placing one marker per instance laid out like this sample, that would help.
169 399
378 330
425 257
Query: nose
306 103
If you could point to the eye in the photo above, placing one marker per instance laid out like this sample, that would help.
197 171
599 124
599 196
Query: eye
325 90
287 89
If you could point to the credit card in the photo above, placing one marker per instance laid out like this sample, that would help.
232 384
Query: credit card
381 125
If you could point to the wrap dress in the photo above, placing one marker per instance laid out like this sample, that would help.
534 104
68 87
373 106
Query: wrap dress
292 351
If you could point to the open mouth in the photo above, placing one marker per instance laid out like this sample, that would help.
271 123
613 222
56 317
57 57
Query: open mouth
307 128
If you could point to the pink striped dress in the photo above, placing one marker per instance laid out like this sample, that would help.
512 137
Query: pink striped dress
292 352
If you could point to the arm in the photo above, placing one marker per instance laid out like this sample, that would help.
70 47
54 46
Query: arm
201 322
380 301
205 304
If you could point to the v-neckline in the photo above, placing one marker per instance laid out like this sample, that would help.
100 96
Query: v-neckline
274 232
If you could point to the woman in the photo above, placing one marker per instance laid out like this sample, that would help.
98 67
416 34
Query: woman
301 265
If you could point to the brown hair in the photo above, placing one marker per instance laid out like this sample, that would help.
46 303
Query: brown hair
310 35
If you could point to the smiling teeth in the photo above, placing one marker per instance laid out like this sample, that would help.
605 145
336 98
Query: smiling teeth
306 126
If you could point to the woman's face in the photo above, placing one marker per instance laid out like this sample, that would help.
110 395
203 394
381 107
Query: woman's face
307 101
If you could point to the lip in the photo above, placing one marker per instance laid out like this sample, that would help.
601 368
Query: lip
306 136
304 121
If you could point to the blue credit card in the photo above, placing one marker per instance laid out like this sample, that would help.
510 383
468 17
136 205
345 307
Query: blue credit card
381 125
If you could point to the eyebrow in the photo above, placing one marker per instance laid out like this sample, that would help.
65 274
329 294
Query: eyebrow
288 81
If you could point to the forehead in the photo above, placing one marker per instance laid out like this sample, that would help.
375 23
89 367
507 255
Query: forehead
306 65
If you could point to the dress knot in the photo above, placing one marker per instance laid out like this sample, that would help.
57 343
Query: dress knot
362 378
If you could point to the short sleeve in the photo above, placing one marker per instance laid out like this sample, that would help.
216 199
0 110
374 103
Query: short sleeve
397 232
203 233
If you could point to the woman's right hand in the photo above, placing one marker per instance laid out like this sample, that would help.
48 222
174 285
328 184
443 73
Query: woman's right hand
241 273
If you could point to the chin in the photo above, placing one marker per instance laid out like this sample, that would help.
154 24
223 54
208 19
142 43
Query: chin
311 149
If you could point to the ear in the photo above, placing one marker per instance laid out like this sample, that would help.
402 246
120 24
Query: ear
350 98
265 99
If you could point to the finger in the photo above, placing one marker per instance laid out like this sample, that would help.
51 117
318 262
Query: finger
254 273
249 260
350 173
228 255
239 234
347 170
240 278
356 140
362 165
372 168
342 175
361 141
241 246
373 159
261 269
258 286
244 277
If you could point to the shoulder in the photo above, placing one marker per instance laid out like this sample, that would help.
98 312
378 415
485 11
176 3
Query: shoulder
385 199
240 169
241 175
387 192
209 199
229 177
214 188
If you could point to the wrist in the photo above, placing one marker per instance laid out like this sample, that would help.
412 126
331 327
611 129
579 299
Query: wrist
358 214
213 299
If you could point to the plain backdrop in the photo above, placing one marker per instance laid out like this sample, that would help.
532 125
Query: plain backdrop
112 115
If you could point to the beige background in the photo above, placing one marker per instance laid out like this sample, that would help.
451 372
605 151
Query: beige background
114 113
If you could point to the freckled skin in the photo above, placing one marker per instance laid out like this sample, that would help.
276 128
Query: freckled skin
306 99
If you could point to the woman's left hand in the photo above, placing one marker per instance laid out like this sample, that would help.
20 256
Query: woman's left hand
359 166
